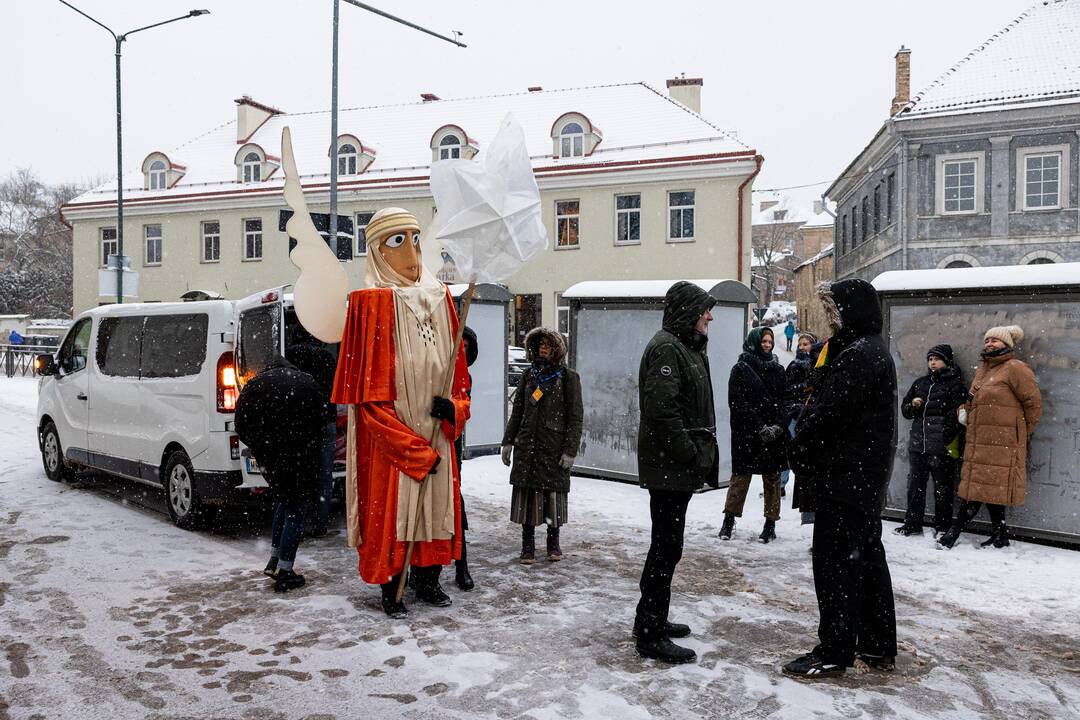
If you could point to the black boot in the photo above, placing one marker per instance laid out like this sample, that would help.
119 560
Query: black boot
768 532
999 537
427 587
271 568
949 538
664 650
727 527
908 530
393 607
286 580
554 552
671 630
528 545
461 569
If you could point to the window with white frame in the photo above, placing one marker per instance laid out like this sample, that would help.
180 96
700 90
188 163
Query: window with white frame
681 215
152 244
346 159
252 167
253 239
1042 181
211 241
108 244
628 219
572 140
450 148
567 216
362 219
959 183
158 179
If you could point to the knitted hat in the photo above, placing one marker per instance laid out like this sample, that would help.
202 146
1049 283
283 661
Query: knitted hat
942 351
1008 334
809 336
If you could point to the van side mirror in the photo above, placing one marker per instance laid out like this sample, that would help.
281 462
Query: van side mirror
45 365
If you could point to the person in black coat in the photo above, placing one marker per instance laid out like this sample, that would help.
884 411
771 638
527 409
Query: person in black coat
931 406
677 455
847 434
280 416
801 375
462 576
760 408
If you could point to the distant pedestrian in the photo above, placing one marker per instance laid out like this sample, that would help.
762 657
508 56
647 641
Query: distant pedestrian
934 439
848 433
677 455
796 374
1003 409
544 435
789 333
280 416
758 400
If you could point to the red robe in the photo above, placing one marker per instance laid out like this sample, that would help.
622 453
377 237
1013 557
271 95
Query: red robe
384 444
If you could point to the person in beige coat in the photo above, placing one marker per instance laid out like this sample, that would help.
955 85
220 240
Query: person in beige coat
1003 408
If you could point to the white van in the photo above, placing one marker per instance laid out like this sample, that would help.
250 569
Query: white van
147 391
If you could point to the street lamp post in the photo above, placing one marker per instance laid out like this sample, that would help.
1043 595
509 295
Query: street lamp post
334 100
119 138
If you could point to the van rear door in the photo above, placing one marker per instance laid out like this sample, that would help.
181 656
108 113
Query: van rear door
260 337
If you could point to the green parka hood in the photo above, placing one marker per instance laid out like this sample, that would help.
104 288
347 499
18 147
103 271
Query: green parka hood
684 303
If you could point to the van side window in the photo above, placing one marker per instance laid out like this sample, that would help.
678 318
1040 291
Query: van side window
174 345
119 345
76 346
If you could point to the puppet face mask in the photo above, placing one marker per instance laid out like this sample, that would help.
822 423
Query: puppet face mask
402 253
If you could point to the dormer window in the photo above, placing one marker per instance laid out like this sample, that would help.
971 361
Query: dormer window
252 167
352 157
346 159
160 173
450 142
157 175
572 140
573 135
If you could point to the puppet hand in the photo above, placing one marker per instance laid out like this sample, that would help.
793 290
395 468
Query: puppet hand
566 461
443 409
506 450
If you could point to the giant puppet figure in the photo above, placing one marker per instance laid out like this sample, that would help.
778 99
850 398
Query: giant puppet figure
403 483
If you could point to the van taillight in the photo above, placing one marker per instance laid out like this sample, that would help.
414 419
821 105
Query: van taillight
227 389
234 447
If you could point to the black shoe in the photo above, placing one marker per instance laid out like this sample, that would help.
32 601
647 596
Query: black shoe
811 667
666 651
318 531
394 608
999 538
433 595
727 527
271 568
883 663
286 580
949 538
908 530
768 532
462 577
671 630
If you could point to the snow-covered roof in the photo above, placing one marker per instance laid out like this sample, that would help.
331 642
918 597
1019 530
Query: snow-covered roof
633 289
757 260
791 207
999 276
1035 58
825 252
640 125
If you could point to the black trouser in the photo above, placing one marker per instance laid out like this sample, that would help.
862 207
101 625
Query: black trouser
854 589
970 508
943 471
668 510
789 344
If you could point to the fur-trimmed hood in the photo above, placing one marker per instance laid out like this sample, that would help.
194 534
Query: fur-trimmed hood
554 338
851 305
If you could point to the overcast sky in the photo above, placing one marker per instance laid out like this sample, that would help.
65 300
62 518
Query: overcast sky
805 83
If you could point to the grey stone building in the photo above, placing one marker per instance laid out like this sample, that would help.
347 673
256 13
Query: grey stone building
978 169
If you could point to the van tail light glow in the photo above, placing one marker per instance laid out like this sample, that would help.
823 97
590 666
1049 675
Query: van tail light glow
270 297
227 388
234 447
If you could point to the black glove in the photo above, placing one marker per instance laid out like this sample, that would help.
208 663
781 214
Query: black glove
771 433
443 409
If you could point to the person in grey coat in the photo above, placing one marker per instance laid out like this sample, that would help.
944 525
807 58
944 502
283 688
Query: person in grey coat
677 454
543 434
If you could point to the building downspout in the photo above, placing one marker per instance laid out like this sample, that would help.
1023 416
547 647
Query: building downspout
758 159
902 227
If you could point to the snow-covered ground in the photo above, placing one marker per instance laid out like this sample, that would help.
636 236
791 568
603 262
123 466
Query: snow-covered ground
108 611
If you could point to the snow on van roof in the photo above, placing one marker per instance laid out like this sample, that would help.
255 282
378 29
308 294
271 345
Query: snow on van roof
630 289
999 276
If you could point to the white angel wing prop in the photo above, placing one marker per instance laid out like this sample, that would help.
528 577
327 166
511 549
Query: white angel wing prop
490 213
320 292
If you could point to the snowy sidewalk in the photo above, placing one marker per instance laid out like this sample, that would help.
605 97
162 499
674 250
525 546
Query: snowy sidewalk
108 611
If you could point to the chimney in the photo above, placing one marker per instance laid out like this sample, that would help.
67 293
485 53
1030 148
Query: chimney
766 204
687 91
250 115
428 97
903 81
535 88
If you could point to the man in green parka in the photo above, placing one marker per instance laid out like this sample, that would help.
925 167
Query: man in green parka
677 454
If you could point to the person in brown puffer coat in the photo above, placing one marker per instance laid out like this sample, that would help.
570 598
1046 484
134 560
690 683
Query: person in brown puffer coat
1004 407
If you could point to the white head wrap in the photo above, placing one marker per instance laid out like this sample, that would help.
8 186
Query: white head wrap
422 297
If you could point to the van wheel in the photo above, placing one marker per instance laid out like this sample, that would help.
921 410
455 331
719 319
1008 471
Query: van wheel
52 454
181 494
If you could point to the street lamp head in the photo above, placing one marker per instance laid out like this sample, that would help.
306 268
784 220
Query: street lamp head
196 13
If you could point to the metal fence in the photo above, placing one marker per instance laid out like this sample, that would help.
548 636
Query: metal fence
18 360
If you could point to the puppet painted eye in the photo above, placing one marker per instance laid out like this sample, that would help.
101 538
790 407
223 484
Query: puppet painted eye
395 240
416 239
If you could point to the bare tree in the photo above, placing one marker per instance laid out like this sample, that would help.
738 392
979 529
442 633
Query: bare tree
35 246
772 244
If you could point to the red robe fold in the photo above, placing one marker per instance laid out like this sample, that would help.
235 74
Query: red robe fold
385 445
